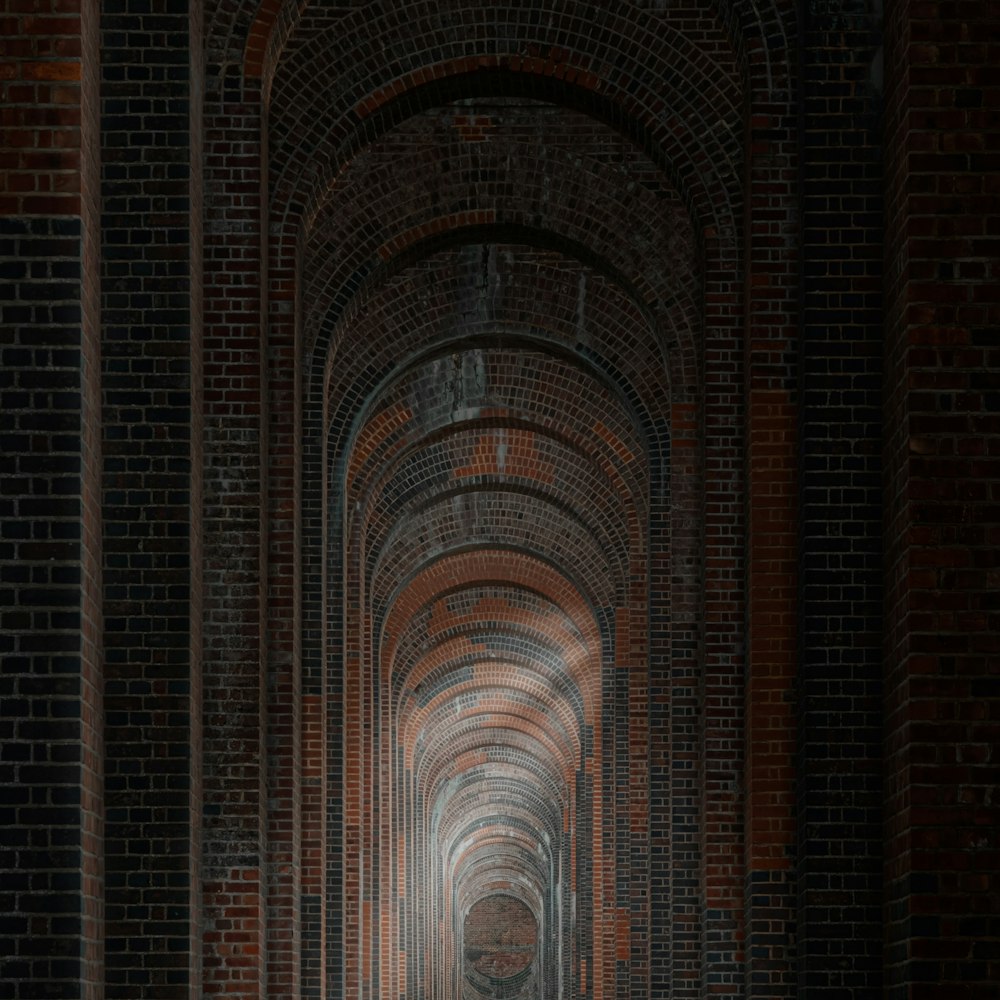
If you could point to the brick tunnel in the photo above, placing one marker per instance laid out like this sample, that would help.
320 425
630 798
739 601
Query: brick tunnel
502 304
499 500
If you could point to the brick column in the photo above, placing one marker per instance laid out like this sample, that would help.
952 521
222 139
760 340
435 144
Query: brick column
151 130
838 793
942 464
51 935
235 554
284 627
722 750
771 447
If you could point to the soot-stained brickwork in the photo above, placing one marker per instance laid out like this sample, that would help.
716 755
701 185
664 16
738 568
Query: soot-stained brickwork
499 500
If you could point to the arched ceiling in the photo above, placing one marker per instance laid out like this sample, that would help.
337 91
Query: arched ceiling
492 224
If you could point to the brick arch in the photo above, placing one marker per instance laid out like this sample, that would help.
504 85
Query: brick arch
536 178
762 40
496 717
552 654
479 573
280 278
477 867
465 847
451 680
253 33
407 460
488 882
517 859
541 654
511 720
473 568
626 363
470 732
519 664
442 402
491 866
461 859
482 823
474 889
478 821
499 721
565 60
489 796
394 422
763 36
422 514
479 864
473 389
349 394
518 760
515 797
458 612
533 295
540 528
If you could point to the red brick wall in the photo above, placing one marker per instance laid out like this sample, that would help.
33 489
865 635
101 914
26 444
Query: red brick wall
500 937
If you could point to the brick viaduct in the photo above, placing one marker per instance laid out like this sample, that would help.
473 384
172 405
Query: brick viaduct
500 499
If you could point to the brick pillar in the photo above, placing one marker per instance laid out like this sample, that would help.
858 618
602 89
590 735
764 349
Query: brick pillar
51 935
235 554
722 751
942 419
685 713
659 680
151 250
771 425
283 625
838 794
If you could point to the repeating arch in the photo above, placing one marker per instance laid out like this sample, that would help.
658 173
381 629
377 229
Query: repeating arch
500 244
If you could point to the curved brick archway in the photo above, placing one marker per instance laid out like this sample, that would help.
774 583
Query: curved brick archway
519 451
428 421
569 206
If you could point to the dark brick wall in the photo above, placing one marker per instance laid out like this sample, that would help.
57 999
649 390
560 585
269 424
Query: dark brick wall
942 705
234 804
50 739
839 683
770 436
50 622
151 380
